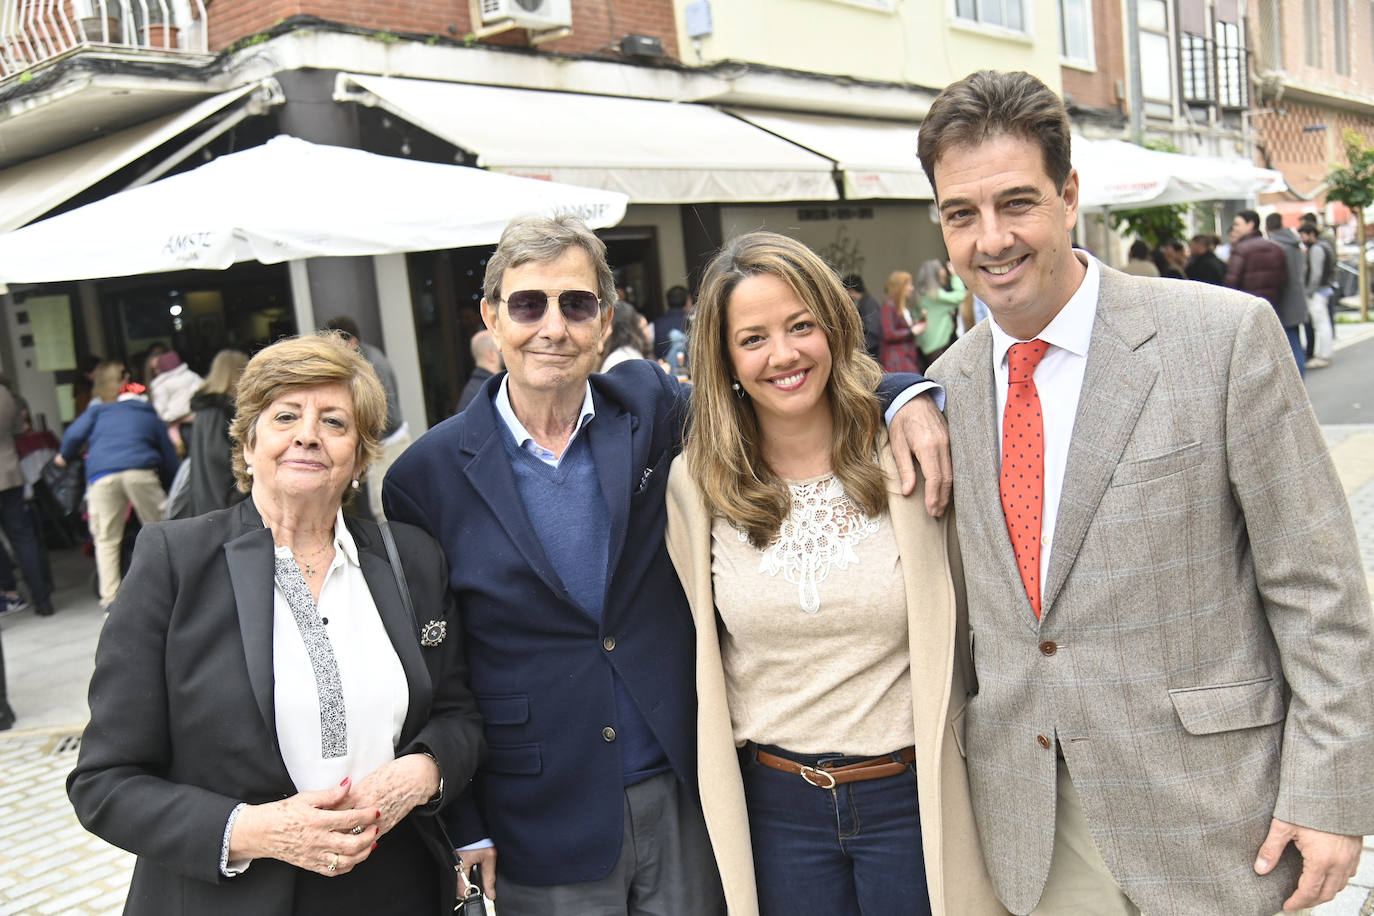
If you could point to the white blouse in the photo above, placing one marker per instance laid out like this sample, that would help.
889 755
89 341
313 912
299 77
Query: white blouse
375 694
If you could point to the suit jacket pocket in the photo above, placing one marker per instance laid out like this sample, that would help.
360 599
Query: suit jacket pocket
1228 707
1157 466
513 709
514 759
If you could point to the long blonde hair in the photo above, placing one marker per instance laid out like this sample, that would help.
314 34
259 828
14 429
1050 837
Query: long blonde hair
724 445
896 287
224 373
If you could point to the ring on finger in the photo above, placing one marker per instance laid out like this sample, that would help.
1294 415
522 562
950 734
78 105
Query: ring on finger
334 864
357 830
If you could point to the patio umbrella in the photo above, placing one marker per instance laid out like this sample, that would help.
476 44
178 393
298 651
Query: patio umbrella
284 200
1113 173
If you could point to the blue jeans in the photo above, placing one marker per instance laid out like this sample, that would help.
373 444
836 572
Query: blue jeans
854 849
18 527
1299 353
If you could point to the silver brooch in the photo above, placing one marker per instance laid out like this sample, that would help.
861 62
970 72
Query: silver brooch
433 633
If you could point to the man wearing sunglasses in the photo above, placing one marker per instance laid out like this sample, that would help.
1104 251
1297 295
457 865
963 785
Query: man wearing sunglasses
548 496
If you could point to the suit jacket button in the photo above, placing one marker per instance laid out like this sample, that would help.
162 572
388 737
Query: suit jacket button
608 733
1042 741
608 643
1048 647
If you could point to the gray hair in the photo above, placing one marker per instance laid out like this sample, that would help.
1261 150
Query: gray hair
541 238
928 278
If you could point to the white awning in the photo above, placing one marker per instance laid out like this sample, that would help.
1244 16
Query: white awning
1114 173
877 158
30 189
285 200
656 152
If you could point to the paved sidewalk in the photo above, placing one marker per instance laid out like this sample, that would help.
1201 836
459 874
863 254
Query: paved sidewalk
50 865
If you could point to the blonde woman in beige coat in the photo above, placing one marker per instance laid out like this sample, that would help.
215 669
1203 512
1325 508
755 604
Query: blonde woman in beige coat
831 643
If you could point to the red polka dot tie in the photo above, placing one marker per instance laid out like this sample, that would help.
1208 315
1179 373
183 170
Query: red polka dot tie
1023 463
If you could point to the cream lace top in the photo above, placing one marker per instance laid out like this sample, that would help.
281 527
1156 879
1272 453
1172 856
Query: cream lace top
814 628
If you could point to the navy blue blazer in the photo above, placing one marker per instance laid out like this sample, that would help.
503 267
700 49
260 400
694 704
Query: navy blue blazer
550 792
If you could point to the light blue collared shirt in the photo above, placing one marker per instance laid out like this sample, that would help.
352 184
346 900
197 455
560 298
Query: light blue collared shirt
523 439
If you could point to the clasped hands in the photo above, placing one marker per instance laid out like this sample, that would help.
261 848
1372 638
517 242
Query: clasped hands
330 831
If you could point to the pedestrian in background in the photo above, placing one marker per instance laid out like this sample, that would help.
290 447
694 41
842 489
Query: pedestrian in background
899 352
129 460
675 318
940 292
486 358
15 519
1258 266
1320 273
870 313
212 484
631 337
1292 304
395 432
1203 264
1138 261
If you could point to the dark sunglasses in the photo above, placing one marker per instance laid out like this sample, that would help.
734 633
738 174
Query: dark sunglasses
527 306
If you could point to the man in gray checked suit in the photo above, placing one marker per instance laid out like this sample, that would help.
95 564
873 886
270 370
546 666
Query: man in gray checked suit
1172 637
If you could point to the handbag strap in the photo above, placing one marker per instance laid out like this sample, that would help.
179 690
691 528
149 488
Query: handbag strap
397 569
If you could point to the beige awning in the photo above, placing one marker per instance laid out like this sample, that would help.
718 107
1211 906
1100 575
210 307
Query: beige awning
654 151
876 158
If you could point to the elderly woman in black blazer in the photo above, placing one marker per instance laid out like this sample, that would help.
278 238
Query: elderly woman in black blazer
280 704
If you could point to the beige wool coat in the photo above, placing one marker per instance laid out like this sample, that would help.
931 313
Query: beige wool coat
955 872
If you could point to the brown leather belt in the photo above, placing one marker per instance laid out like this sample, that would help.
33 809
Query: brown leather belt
826 776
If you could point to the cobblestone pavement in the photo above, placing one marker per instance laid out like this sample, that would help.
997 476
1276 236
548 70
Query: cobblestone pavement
50 865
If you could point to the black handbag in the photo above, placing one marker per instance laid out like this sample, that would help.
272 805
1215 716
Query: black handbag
66 485
472 903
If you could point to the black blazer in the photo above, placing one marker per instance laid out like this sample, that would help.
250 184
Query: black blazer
183 725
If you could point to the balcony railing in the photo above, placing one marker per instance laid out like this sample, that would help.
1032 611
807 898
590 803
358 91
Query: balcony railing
35 31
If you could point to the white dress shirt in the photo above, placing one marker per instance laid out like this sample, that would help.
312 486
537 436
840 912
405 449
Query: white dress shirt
375 692
1059 382
376 695
523 439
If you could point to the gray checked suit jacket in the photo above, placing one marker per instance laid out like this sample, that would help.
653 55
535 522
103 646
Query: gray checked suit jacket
1205 655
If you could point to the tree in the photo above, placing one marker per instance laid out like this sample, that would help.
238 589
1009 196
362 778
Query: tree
1153 225
1353 185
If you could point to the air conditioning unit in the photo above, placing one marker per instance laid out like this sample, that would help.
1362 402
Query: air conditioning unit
536 15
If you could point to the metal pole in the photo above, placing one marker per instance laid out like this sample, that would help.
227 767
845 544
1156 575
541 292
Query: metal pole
1364 264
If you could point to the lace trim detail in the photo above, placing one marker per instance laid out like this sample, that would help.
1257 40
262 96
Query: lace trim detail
820 533
333 721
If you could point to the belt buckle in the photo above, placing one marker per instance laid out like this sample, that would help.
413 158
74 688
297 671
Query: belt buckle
813 774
